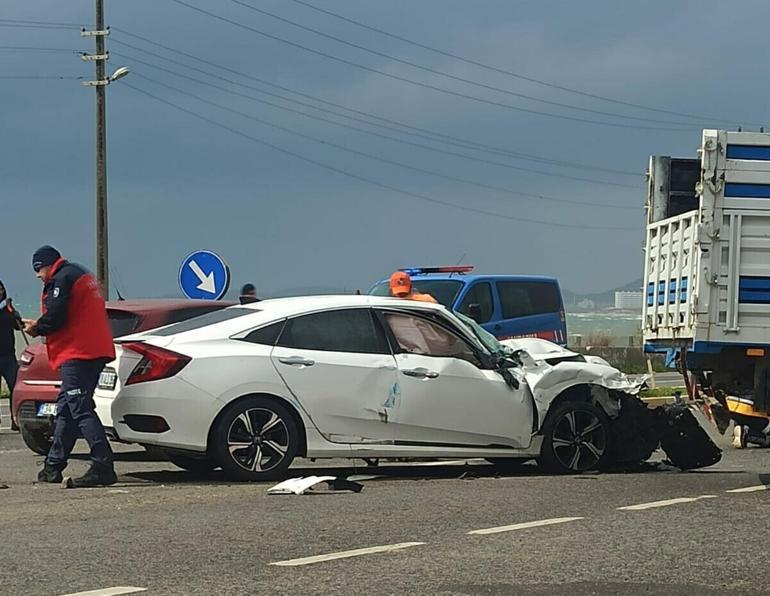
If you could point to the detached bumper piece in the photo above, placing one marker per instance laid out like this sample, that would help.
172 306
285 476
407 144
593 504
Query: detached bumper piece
681 430
685 440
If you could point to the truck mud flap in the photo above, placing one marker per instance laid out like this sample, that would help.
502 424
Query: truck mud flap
685 439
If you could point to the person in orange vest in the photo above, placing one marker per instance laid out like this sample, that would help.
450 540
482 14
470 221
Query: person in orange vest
401 287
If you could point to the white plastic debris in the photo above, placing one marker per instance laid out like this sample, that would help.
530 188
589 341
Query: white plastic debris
298 486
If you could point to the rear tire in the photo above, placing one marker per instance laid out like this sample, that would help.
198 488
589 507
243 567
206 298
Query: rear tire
37 440
255 439
201 466
576 438
508 464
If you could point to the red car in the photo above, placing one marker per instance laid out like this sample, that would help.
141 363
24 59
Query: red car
37 386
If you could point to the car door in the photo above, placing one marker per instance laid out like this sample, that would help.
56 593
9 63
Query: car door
446 397
338 365
530 309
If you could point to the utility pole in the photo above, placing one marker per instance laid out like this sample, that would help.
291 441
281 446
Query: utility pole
102 80
102 236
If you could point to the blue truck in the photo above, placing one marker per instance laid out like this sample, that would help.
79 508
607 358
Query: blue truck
508 306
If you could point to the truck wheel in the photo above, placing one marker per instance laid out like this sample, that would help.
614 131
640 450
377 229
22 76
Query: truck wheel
576 438
36 440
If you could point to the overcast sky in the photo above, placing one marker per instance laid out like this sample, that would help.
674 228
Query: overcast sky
178 183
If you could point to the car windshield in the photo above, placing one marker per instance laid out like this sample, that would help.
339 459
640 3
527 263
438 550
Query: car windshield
488 340
443 290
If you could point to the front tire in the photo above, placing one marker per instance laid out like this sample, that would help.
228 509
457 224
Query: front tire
576 438
255 439
37 440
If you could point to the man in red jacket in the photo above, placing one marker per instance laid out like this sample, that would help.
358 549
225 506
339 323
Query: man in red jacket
79 344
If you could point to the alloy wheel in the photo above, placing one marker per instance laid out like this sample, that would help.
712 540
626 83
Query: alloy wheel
258 440
579 440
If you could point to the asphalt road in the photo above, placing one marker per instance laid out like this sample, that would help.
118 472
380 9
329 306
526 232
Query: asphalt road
444 530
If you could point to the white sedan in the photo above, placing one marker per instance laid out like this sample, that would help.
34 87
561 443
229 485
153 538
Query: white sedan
250 388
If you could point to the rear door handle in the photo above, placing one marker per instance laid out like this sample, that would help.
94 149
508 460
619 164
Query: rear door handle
296 361
421 373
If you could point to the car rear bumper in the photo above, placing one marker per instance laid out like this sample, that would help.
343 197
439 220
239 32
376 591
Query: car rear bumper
32 393
26 416
170 413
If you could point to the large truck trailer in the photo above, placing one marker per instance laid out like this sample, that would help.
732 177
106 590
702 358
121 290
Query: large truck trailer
707 274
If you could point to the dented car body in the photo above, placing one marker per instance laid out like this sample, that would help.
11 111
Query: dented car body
253 387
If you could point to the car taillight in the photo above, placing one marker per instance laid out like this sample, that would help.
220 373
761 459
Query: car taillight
26 358
156 363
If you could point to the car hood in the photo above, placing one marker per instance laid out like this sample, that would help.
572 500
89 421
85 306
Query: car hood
550 369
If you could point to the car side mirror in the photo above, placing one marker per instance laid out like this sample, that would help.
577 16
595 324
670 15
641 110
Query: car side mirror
474 312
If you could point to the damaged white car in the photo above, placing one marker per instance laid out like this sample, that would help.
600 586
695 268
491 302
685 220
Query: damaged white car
251 388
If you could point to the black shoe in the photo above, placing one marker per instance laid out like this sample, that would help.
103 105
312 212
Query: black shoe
14 427
95 476
50 474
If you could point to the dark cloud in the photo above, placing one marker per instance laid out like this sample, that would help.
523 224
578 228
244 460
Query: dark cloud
177 183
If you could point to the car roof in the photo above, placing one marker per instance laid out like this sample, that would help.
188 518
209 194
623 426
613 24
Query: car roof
479 276
286 307
145 305
276 309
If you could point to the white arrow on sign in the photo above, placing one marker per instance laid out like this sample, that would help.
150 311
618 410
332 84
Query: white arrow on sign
207 281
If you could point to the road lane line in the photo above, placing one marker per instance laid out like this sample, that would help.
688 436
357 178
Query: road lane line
525 525
458 462
654 504
750 489
114 591
346 554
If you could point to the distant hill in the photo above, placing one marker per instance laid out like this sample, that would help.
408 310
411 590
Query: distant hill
601 299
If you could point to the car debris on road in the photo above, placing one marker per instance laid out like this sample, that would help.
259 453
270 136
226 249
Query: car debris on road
298 486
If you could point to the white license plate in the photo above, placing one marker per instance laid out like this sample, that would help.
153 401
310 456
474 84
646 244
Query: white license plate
108 379
46 409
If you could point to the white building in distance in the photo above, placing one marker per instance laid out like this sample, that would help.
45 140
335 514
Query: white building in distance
629 300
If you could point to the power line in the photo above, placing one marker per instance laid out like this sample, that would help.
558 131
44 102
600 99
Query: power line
379 158
13 26
421 84
40 77
368 181
37 49
46 23
380 135
447 75
391 124
508 72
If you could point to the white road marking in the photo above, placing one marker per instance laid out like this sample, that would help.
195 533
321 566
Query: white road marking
114 591
346 554
525 525
458 462
654 504
750 489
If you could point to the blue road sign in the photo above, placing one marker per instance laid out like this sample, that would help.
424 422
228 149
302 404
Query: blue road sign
204 276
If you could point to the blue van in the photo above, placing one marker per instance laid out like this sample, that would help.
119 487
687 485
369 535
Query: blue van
508 306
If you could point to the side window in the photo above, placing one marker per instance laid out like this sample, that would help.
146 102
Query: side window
415 335
523 299
480 294
353 330
266 336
